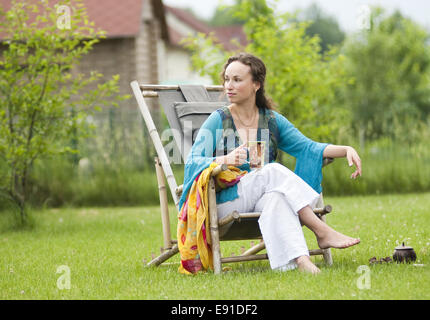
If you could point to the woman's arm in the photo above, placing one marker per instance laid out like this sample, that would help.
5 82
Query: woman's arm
201 154
309 154
335 151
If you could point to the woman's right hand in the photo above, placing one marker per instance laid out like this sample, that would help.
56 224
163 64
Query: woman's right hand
236 158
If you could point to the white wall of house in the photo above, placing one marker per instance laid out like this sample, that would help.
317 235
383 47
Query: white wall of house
178 24
175 61
178 68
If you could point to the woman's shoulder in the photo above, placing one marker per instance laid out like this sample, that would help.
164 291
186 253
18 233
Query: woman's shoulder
274 113
281 120
215 118
223 112
277 118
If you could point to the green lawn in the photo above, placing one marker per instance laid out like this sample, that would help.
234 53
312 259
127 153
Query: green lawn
104 249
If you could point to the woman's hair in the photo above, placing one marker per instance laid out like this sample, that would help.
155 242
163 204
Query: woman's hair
258 72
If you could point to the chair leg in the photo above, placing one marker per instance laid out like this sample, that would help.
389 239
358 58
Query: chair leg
255 249
325 252
170 249
213 223
165 220
164 256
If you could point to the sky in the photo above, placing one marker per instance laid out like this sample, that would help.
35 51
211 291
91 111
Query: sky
347 12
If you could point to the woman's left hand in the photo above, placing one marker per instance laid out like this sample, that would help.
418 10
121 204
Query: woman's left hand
353 159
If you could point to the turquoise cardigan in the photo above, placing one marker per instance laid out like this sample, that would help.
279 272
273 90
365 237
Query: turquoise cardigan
308 154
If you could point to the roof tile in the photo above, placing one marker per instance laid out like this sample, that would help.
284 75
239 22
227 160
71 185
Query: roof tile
117 18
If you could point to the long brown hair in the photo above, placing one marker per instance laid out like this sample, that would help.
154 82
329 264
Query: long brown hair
258 72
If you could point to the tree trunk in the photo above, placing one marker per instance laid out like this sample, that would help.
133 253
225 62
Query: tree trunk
362 137
18 196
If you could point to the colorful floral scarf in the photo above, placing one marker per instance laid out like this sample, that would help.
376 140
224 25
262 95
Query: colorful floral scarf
194 239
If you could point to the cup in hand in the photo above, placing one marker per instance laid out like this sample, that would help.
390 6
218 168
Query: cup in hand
256 154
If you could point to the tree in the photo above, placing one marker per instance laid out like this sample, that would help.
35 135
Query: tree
224 16
43 100
323 25
390 64
300 80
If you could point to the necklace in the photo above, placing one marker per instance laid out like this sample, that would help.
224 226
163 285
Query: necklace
244 124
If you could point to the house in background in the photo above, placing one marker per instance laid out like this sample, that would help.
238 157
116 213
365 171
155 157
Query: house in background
177 67
143 42
182 24
136 34
133 48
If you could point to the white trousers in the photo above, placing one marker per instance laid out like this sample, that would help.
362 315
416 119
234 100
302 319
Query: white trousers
279 194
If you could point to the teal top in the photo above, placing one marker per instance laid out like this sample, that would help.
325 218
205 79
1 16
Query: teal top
308 153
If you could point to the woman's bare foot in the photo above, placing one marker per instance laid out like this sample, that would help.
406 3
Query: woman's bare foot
327 237
334 239
305 264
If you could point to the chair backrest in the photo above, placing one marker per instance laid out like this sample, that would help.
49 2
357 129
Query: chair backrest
187 109
182 105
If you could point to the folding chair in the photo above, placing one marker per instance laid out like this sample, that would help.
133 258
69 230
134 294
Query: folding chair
186 108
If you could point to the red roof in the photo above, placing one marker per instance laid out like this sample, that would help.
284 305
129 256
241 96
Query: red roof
188 19
123 18
118 18
224 34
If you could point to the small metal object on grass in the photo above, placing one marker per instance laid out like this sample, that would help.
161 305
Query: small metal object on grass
404 254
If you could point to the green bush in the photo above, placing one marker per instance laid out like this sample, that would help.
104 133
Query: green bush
387 168
62 183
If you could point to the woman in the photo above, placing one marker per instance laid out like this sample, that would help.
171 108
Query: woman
284 198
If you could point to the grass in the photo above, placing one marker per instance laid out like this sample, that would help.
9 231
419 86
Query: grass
105 249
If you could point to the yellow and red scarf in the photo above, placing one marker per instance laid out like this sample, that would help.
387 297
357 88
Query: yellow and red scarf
194 239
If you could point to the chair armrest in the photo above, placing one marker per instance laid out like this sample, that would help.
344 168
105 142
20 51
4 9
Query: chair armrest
215 171
327 161
178 190
218 169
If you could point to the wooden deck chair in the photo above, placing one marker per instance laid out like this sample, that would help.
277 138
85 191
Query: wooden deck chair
186 108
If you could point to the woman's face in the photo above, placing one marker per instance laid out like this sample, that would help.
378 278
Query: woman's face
238 83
